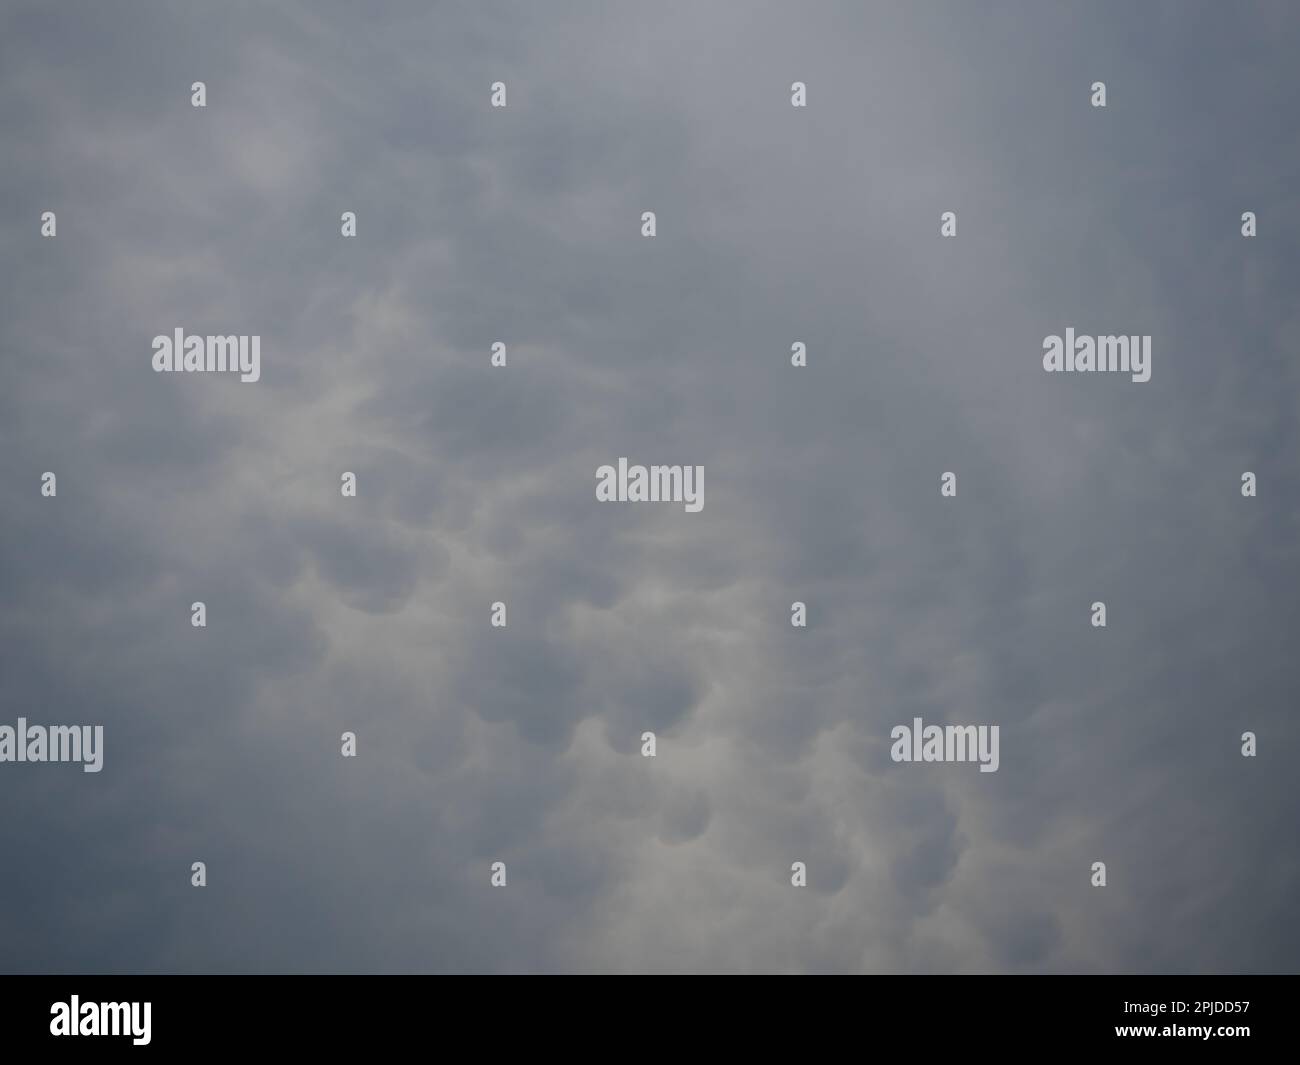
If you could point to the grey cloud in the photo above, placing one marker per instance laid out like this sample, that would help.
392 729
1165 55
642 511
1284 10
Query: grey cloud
477 484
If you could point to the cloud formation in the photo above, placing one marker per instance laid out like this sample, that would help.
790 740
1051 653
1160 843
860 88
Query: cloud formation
522 745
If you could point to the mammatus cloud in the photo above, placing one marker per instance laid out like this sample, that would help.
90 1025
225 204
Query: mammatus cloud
775 225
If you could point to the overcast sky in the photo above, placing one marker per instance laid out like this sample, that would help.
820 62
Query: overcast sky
775 225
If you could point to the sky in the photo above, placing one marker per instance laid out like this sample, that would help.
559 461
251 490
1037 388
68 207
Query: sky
475 484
